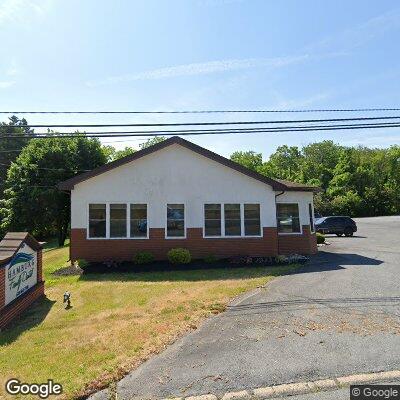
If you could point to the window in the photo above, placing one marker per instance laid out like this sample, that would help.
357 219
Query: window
138 220
310 212
212 219
232 220
117 220
175 220
252 226
97 220
288 218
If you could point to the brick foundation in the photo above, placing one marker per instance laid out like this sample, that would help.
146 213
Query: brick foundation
306 243
20 304
125 249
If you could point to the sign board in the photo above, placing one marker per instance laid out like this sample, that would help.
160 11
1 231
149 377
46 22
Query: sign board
20 273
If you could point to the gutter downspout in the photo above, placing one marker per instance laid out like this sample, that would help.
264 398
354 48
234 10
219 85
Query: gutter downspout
276 218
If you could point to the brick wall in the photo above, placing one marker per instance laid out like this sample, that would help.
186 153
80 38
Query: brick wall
39 265
125 249
298 244
20 304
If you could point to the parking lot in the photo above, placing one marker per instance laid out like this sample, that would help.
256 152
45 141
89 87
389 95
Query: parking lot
337 316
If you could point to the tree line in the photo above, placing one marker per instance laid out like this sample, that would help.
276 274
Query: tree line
354 181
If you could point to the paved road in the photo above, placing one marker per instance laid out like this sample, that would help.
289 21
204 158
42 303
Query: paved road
337 317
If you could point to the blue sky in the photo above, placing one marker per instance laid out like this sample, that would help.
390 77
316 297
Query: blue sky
203 54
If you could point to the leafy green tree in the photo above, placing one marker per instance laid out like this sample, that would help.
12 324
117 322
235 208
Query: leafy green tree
285 163
152 141
32 201
10 147
343 174
320 160
249 159
112 154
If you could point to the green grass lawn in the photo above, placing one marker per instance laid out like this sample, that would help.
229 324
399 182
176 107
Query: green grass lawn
115 323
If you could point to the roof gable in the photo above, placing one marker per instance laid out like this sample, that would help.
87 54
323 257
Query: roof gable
275 184
11 243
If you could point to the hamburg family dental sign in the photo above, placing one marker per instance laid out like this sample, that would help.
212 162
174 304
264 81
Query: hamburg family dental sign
21 273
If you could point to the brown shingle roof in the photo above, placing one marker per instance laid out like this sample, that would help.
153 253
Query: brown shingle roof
274 183
12 242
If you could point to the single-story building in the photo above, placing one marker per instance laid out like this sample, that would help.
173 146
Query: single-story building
178 194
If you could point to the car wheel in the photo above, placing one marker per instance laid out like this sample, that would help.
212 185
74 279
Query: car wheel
339 234
348 232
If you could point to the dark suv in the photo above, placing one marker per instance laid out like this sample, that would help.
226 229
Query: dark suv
337 225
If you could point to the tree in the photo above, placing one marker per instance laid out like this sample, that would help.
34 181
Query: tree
12 146
152 141
320 160
112 154
32 201
249 159
285 163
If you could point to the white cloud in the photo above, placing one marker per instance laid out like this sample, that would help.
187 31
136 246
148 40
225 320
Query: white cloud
17 11
300 103
6 84
360 34
12 69
211 67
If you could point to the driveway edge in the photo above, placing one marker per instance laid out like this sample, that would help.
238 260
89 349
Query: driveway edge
290 389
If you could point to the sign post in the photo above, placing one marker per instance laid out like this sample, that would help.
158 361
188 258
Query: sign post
21 280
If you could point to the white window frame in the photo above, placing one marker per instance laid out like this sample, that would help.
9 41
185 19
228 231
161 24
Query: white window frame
109 221
166 221
243 227
301 226
128 221
222 224
223 236
88 221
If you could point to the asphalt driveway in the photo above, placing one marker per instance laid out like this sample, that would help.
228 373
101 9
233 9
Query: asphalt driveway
339 316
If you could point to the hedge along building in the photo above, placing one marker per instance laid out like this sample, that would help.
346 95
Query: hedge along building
178 194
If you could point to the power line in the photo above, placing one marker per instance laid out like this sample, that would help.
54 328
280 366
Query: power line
208 111
205 123
213 132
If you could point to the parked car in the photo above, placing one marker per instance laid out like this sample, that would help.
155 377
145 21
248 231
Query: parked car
336 225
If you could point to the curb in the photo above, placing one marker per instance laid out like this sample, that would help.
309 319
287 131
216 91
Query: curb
290 389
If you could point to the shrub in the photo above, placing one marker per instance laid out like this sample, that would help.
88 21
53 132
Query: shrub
210 259
143 257
179 256
320 238
82 263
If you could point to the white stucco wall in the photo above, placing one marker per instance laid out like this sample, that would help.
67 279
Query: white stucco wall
177 175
